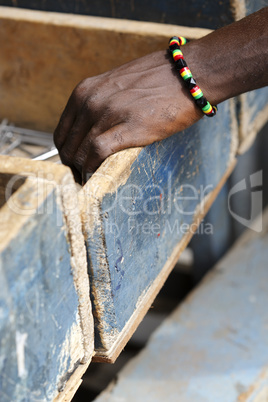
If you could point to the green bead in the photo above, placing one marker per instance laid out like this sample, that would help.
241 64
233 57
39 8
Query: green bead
205 108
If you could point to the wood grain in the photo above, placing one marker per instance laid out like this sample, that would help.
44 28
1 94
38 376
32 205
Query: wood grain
139 210
44 55
202 13
46 328
214 346
46 325
252 116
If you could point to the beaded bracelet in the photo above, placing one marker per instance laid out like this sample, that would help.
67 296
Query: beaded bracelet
180 65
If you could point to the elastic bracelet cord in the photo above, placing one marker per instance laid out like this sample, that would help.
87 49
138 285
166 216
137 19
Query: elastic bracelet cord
181 66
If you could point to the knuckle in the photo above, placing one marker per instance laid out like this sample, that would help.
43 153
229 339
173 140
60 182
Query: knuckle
118 138
84 88
87 105
82 85
99 148
80 91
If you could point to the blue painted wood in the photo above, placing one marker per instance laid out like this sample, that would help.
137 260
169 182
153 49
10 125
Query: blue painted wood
200 13
208 249
41 337
252 115
255 101
140 222
255 5
214 347
252 161
35 315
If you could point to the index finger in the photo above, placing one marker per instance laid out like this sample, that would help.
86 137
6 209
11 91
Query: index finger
65 123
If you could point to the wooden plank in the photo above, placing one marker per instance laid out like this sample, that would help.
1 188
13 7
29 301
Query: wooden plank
214 347
201 13
252 116
254 5
46 329
139 212
207 250
44 55
72 384
41 51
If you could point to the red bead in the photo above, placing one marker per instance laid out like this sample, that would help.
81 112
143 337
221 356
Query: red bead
184 69
177 57
194 89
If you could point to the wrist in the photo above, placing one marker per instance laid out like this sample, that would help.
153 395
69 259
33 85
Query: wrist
231 60
201 63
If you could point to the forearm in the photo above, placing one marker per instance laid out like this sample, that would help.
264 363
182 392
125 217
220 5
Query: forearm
231 60
145 100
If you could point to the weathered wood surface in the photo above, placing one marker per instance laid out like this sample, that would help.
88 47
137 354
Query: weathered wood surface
201 13
252 116
209 249
139 212
214 347
253 5
46 330
44 55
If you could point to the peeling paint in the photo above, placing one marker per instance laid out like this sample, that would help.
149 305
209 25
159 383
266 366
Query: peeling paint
21 339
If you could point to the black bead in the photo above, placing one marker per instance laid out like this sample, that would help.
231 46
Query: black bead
180 63
173 47
190 83
211 114
201 102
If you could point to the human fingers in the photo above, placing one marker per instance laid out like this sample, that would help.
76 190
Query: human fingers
113 140
65 123
75 137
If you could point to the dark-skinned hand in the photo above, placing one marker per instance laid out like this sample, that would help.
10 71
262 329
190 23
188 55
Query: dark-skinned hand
134 105
145 100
